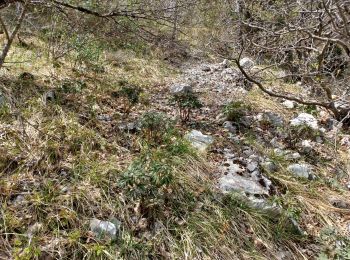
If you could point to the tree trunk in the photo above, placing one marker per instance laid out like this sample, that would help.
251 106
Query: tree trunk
11 37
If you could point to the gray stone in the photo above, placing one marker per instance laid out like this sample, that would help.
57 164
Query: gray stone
276 144
340 204
247 121
239 183
199 140
296 226
247 179
301 170
342 104
252 166
34 229
206 68
50 96
18 200
254 158
103 229
248 152
292 156
131 127
233 168
269 166
345 141
230 127
178 89
288 104
305 119
306 146
275 119
331 124
284 255
247 63
225 63
279 152
229 71
319 140
106 118
261 204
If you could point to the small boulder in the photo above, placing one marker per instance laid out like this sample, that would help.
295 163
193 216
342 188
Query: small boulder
275 119
306 120
262 204
225 64
292 156
239 183
340 204
275 143
288 104
247 121
252 166
102 229
269 166
306 146
247 63
279 152
345 141
230 127
199 140
301 170
18 200
206 68
49 96
179 89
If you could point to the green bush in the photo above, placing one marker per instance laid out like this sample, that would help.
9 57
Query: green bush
235 110
73 86
129 94
334 245
186 103
156 127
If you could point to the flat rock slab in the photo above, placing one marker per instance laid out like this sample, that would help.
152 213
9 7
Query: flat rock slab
243 175
301 170
239 183
198 140
182 88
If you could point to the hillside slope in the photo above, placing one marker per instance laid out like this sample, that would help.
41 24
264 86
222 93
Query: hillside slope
96 165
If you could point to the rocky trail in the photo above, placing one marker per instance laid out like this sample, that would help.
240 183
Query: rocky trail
248 167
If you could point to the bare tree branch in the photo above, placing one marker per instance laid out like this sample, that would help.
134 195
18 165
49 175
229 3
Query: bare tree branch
12 36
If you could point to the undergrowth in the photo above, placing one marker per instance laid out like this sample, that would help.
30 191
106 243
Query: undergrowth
165 200
60 167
